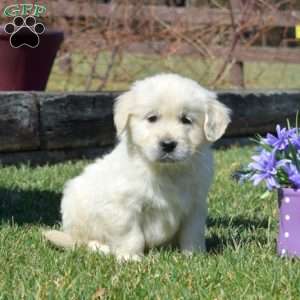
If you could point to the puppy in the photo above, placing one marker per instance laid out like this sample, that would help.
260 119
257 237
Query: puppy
151 189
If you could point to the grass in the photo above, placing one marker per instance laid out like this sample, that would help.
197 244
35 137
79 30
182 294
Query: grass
131 67
241 262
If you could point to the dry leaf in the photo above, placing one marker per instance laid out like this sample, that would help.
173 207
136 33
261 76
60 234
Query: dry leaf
99 294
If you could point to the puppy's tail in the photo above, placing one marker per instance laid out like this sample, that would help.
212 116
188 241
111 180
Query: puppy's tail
59 238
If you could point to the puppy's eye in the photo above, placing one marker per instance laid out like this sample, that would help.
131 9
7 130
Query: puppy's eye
186 120
152 118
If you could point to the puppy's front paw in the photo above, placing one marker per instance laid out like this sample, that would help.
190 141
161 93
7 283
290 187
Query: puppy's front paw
96 246
129 257
188 253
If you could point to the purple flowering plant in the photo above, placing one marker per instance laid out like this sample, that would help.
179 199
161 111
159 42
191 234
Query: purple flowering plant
277 161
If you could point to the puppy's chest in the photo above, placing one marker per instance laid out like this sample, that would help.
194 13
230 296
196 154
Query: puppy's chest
163 209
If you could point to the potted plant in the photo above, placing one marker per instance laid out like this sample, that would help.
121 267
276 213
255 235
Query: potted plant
277 166
27 52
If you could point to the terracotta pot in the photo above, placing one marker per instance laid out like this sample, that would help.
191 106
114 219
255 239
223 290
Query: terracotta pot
288 241
26 68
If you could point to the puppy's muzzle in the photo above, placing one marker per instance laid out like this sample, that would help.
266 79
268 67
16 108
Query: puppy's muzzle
168 146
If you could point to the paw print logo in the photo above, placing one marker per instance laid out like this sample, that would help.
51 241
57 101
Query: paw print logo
24 32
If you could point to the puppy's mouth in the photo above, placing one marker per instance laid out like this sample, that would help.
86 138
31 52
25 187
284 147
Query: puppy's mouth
168 158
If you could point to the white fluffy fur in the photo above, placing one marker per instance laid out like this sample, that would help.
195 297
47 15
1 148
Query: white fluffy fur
138 197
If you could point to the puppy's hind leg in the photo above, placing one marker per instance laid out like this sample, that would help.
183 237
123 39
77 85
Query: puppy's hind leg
59 238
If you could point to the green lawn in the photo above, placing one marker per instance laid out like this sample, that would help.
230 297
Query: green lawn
241 262
130 67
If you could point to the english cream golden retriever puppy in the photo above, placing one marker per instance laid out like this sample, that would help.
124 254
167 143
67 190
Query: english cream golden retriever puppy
151 189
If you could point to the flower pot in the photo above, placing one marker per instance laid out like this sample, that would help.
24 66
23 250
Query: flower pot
26 68
288 242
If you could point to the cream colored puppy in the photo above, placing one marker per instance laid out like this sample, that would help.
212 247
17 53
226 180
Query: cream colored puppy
151 189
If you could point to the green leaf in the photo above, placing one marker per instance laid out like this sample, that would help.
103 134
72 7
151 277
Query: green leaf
293 153
257 139
265 195
297 118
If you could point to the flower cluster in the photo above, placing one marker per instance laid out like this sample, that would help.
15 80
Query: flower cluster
277 163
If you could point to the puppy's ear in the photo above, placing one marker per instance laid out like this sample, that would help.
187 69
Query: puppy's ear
122 109
217 118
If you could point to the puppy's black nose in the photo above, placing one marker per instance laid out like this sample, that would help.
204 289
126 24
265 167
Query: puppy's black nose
168 145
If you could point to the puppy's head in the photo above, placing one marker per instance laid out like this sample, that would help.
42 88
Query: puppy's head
168 117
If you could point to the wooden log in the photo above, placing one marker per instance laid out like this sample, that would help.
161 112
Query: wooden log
76 120
71 121
259 112
80 120
18 122
42 157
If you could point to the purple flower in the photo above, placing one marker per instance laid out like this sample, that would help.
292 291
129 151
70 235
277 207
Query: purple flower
293 174
265 168
295 140
280 141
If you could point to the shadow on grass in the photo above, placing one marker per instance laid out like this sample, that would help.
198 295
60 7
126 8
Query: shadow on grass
29 207
238 221
218 243
42 207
